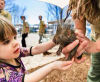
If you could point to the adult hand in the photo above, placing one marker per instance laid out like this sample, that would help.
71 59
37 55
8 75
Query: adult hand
69 47
83 44
87 45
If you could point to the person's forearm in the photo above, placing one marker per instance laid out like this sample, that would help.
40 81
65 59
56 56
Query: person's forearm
83 31
39 74
80 25
96 46
93 47
40 48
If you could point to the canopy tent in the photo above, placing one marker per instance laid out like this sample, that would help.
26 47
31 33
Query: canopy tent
59 3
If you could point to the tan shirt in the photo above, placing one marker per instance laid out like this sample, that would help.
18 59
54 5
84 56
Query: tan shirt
42 27
6 14
25 27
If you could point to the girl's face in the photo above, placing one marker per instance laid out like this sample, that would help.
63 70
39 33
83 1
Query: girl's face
9 49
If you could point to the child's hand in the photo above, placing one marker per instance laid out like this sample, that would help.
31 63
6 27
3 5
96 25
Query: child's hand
62 65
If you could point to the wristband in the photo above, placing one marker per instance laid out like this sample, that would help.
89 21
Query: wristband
31 51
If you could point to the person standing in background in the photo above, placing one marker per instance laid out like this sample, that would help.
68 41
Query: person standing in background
3 12
25 30
42 28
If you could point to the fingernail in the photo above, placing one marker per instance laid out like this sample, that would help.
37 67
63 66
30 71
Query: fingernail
77 55
77 40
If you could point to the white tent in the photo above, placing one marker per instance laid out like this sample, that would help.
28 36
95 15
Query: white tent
59 3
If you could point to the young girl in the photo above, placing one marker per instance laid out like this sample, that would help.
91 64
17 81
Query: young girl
11 66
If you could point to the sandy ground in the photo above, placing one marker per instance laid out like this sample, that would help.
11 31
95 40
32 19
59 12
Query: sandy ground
77 73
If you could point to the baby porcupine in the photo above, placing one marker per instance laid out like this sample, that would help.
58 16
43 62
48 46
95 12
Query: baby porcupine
65 35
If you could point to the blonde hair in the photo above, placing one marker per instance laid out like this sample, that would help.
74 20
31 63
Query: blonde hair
6 29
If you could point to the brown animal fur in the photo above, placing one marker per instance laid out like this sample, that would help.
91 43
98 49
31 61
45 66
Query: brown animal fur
65 35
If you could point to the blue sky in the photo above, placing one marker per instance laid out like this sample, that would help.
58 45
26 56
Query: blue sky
34 9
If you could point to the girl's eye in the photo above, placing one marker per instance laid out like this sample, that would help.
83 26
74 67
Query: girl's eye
6 42
1 3
15 37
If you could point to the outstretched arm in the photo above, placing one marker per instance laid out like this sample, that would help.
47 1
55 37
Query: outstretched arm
42 72
40 48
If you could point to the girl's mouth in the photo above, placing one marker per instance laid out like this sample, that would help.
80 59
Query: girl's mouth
17 50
